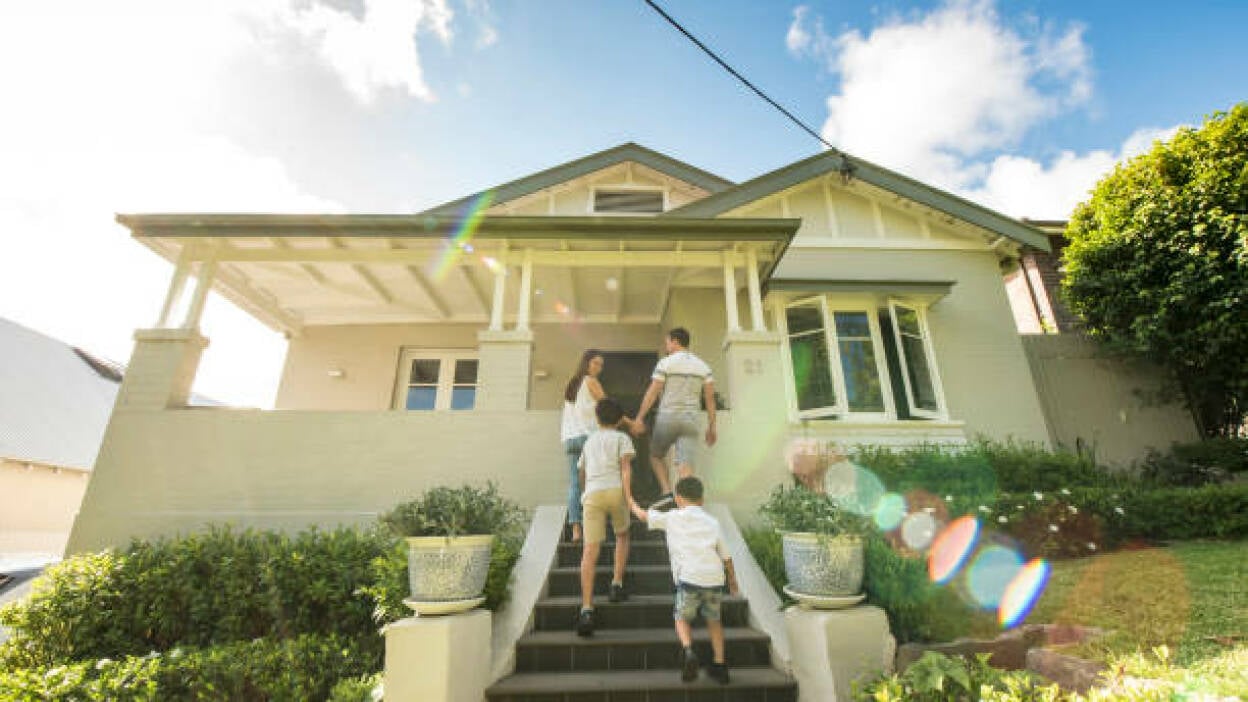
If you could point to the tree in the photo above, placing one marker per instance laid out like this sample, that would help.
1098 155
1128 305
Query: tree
1157 265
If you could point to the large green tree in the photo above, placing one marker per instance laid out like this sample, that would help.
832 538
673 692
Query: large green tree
1157 264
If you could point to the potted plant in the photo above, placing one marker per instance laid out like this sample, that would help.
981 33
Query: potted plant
822 542
450 533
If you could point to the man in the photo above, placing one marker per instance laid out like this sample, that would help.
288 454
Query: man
680 379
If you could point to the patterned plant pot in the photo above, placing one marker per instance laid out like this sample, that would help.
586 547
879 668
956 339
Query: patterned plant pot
823 565
442 569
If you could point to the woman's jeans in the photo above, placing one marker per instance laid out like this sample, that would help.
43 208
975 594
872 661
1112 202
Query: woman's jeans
573 448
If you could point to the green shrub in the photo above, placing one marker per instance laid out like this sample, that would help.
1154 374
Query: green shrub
936 677
446 511
358 689
301 668
1197 463
794 508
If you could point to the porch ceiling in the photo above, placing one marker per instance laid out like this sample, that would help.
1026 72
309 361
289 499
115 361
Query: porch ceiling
291 271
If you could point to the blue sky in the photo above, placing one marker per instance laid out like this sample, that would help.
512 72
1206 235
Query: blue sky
394 105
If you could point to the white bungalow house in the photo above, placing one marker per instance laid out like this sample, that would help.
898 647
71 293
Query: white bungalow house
834 299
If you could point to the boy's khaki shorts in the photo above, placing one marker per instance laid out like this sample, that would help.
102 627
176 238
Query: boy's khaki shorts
601 505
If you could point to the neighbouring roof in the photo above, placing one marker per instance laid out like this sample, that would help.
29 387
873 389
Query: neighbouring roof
839 162
584 166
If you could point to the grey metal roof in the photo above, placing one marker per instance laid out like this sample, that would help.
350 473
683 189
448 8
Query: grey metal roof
54 404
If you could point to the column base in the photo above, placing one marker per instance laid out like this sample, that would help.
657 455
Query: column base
438 658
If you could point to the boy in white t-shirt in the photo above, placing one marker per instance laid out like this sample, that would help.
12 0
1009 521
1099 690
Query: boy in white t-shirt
606 472
701 567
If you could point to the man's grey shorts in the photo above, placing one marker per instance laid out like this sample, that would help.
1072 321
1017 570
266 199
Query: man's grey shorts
677 429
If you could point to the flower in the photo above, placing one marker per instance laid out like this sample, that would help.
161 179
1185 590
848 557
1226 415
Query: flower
1053 528
1091 546
100 664
982 508
948 498
1018 506
1073 509
1065 491
1119 510
1003 519
1038 495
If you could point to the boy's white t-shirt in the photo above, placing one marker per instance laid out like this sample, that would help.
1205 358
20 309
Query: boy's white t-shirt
694 544
601 459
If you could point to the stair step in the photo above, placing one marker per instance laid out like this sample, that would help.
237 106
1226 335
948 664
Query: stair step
754 684
639 612
641 580
633 649
638 529
642 553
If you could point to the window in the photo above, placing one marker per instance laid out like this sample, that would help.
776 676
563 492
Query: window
436 380
628 201
853 357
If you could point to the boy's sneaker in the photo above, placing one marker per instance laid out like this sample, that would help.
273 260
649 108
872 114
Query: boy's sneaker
689 666
664 502
618 593
718 672
585 623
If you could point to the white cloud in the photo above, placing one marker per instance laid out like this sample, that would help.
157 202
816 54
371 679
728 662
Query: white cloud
487 33
798 38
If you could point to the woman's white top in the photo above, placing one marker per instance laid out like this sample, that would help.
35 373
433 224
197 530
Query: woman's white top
578 416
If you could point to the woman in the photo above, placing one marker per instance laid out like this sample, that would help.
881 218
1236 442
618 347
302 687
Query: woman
579 398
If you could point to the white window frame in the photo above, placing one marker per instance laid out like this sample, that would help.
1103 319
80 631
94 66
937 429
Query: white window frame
446 376
828 307
921 314
633 187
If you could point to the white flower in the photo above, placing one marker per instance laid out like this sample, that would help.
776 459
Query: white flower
1003 519
102 663
1065 491
1038 495
948 498
1053 528
1018 506
1119 510
982 508
1091 546
1073 509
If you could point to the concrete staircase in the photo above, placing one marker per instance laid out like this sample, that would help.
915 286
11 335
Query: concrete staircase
633 655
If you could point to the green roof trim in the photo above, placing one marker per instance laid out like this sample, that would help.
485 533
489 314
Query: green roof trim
583 166
837 161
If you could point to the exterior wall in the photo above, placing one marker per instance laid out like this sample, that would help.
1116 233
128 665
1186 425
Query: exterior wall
576 197
1093 402
701 311
37 506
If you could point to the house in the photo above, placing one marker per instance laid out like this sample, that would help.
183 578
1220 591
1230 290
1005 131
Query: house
835 300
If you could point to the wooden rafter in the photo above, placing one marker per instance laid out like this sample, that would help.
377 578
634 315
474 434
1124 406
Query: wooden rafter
425 286
366 275
470 280
311 270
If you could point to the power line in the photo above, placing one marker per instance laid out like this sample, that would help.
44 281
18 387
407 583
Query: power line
806 128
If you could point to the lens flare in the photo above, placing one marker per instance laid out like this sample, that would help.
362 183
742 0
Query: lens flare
889 511
855 488
492 264
990 573
917 530
951 547
460 241
1023 592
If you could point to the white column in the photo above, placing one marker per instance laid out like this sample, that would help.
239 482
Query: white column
730 294
526 291
176 285
203 283
500 291
757 320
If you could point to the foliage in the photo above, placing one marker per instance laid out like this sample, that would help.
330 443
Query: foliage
365 688
301 668
796 509
207 588
447 511
936 677
1157 264
1211 461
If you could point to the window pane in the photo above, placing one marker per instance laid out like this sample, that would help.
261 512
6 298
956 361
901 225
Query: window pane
862 378
425 370
463 398
803 318
907 321
812 376
852 324
466 371
920 374
421 397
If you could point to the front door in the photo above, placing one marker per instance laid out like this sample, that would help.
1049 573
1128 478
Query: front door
625 377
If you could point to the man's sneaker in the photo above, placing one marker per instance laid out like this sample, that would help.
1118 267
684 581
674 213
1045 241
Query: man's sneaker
618 593
718 672
689 666
665 501
585 623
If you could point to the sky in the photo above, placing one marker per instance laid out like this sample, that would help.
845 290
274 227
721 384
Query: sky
397 105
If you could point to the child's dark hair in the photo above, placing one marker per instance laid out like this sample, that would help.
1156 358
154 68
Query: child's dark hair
609 412
680 335
689 488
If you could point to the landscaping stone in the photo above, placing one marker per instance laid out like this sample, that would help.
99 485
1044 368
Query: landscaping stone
1070 673
1008 651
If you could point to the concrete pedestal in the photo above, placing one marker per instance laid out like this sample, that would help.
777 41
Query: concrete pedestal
438 659
505 370
161 369
833 648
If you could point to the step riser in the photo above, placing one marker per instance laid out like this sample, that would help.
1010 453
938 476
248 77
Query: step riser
570 555
728 694
653 656
607 616
652 583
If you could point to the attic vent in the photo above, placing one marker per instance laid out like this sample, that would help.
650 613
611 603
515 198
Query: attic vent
629 201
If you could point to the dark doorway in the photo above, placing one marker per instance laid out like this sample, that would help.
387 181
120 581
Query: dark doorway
625 377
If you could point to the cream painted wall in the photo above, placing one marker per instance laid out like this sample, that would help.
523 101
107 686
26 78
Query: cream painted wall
575 197
37 506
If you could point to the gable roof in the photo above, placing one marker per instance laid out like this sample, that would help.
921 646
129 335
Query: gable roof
840 162
583 166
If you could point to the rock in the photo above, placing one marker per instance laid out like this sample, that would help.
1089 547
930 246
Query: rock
1069 672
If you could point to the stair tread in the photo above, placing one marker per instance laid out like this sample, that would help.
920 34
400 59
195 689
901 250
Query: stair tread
608 568
640 600
651 680
609 637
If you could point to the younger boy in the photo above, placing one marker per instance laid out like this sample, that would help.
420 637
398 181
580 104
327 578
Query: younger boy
699 562
606 472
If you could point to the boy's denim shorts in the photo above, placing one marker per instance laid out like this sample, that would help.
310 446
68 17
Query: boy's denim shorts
692 600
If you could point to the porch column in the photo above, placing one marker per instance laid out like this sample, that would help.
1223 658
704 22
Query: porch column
161 369
730 294
500 291
757 321
526 292
203 283
176 286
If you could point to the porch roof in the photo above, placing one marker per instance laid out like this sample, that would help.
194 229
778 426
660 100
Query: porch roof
291 271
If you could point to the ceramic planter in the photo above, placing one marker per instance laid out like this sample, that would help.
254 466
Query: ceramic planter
825 566
441 569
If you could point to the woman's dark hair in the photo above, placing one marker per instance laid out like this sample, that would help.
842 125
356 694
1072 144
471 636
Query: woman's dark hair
582 370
